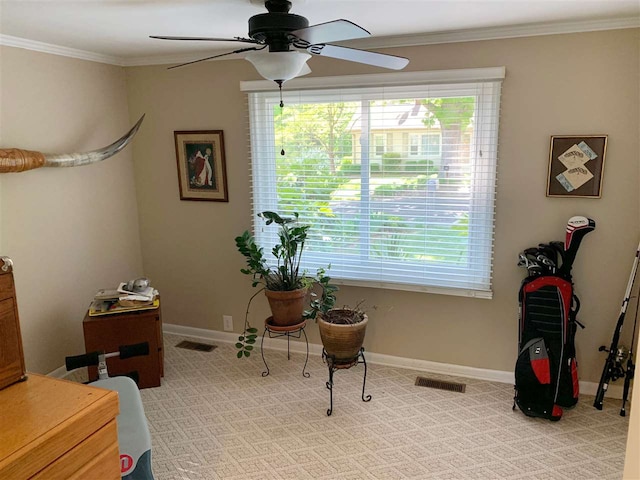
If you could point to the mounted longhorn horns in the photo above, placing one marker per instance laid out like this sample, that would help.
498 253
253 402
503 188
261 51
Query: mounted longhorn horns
17 160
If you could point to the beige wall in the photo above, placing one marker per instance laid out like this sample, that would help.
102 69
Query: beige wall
563 84
69 231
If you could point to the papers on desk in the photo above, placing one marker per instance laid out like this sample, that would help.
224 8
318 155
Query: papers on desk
120 300
148 293
108 307
106 294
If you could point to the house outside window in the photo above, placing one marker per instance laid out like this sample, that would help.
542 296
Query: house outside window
368 168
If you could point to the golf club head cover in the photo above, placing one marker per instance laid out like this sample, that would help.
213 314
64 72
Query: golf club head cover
577 228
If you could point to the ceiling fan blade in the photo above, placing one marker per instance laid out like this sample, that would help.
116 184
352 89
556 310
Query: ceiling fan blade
361 56
333 31
205 39
216 56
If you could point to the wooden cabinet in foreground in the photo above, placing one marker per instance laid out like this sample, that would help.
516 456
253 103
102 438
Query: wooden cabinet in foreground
11 356
55 429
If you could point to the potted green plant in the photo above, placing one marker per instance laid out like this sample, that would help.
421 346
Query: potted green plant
342 329
286 287
342 332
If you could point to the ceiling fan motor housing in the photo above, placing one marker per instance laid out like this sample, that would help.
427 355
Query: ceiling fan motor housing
273 28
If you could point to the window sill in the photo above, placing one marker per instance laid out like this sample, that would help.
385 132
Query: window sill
458 292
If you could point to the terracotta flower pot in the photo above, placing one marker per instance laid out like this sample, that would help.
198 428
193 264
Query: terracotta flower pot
343 341
287 307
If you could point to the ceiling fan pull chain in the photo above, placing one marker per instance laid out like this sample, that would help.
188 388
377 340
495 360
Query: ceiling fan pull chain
279 82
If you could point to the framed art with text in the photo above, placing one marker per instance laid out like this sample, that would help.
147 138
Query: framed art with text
201 165
576 165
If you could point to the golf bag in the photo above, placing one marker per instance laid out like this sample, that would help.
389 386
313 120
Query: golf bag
546 371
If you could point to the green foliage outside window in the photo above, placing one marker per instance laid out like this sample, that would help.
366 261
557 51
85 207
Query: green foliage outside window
319 178
391 162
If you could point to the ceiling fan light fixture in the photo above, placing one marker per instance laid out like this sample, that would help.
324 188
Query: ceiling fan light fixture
279 66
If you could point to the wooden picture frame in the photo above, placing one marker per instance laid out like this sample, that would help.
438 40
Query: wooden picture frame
202 171
576 165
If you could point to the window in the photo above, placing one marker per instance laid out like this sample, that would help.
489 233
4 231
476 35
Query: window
431 145
426 145
379 142
414 145
398 182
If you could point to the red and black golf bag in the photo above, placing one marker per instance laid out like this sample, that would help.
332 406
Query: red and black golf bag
546 372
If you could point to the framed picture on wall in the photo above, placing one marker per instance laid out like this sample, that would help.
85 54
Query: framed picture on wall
202 172
576 165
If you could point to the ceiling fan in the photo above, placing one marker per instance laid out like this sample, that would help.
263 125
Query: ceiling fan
284 34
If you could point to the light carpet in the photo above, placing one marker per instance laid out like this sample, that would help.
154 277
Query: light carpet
217 417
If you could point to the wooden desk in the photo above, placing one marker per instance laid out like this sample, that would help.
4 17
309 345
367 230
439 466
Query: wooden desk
56 429
107 332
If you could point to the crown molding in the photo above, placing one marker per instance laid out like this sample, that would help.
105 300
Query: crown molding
9 41
470 35
497 33
170 59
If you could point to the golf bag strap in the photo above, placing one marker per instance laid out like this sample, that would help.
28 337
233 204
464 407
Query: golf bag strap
575 308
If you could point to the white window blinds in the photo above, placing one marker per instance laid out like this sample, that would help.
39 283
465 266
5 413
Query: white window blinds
397 181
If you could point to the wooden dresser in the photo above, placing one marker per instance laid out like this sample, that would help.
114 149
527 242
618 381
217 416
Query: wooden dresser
55 429
11 356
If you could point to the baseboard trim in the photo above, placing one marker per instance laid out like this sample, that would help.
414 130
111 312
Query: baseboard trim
586 388
60 372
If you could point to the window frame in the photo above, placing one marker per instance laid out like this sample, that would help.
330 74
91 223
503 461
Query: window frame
490 99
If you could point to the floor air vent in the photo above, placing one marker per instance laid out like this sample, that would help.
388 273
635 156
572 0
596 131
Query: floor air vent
440 384
200 347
